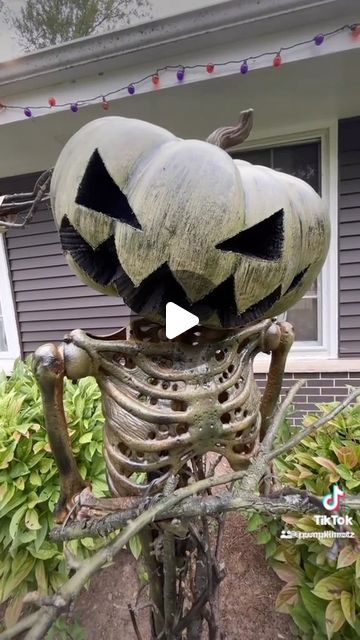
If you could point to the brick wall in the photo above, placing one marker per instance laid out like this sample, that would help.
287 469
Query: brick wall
319 387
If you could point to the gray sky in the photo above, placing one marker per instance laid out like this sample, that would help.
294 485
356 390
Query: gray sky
161 8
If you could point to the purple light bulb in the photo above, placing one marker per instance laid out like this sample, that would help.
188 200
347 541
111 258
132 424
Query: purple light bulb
244 67
319 39
131 89
74 107
180 74
28 112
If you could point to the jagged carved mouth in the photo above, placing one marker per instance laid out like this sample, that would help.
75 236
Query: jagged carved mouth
150 297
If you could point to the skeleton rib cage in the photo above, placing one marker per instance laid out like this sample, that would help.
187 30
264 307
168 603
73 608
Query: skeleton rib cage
166 402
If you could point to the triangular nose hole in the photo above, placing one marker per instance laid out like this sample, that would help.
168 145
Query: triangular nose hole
99 192
264 240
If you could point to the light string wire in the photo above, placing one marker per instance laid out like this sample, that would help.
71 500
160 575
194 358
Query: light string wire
181 69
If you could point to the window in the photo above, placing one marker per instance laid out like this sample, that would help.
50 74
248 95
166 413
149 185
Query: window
9 340
302 160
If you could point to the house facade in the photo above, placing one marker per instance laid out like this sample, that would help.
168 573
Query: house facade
307 122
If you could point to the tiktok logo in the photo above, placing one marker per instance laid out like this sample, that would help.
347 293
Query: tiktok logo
332 500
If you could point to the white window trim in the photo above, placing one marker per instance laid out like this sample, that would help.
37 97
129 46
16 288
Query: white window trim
307 354
7 358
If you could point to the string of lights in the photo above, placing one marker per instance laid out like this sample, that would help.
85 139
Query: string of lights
278 57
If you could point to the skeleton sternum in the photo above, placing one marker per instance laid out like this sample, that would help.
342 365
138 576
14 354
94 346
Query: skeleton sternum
167 402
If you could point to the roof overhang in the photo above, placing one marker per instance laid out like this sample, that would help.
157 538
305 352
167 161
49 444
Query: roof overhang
202 28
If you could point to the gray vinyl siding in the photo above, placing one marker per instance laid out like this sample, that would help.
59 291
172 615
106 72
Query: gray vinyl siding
349 238
49 300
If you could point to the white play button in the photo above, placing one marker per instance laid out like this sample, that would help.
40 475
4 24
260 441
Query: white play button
178 320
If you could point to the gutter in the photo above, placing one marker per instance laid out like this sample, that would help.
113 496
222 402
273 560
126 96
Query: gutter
98 50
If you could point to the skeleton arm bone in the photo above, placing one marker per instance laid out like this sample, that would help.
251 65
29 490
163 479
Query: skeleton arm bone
49 369
277 340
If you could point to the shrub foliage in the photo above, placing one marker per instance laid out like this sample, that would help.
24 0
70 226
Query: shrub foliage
322 576
29 487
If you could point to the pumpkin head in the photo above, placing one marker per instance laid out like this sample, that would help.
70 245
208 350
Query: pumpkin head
152 218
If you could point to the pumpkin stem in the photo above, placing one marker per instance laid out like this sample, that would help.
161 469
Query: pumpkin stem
227 137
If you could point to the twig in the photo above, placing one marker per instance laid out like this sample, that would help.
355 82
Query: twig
134 622
239 501
23 625
9 207
220 536
214 465
169 565
290 444
279 417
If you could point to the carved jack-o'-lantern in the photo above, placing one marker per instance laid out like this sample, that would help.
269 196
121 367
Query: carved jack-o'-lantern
152 218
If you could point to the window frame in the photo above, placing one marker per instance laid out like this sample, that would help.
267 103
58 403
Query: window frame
327 345
7 358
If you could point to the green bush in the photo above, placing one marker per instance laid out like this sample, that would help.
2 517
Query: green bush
322 590
29 487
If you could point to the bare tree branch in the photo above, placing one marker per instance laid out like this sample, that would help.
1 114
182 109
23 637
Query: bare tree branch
279 417
11 206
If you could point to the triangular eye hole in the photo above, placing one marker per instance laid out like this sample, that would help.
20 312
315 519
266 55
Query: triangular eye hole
264 240
99 192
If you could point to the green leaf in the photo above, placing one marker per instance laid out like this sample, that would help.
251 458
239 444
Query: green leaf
6 497
35 479
334 618
347 556
301 618
348 606
32 520
314 606
34 460
287 573
18 499
270 549
100 487
26 536
45 494
33 500
45 553
344 472
88 543
7 455
357 568
41 533
41 578
45 465
16 519
287 597
19 469
92 449
263 537
87 437
19 484
330 588
14 608
327 463
254 522
135 547
17 576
